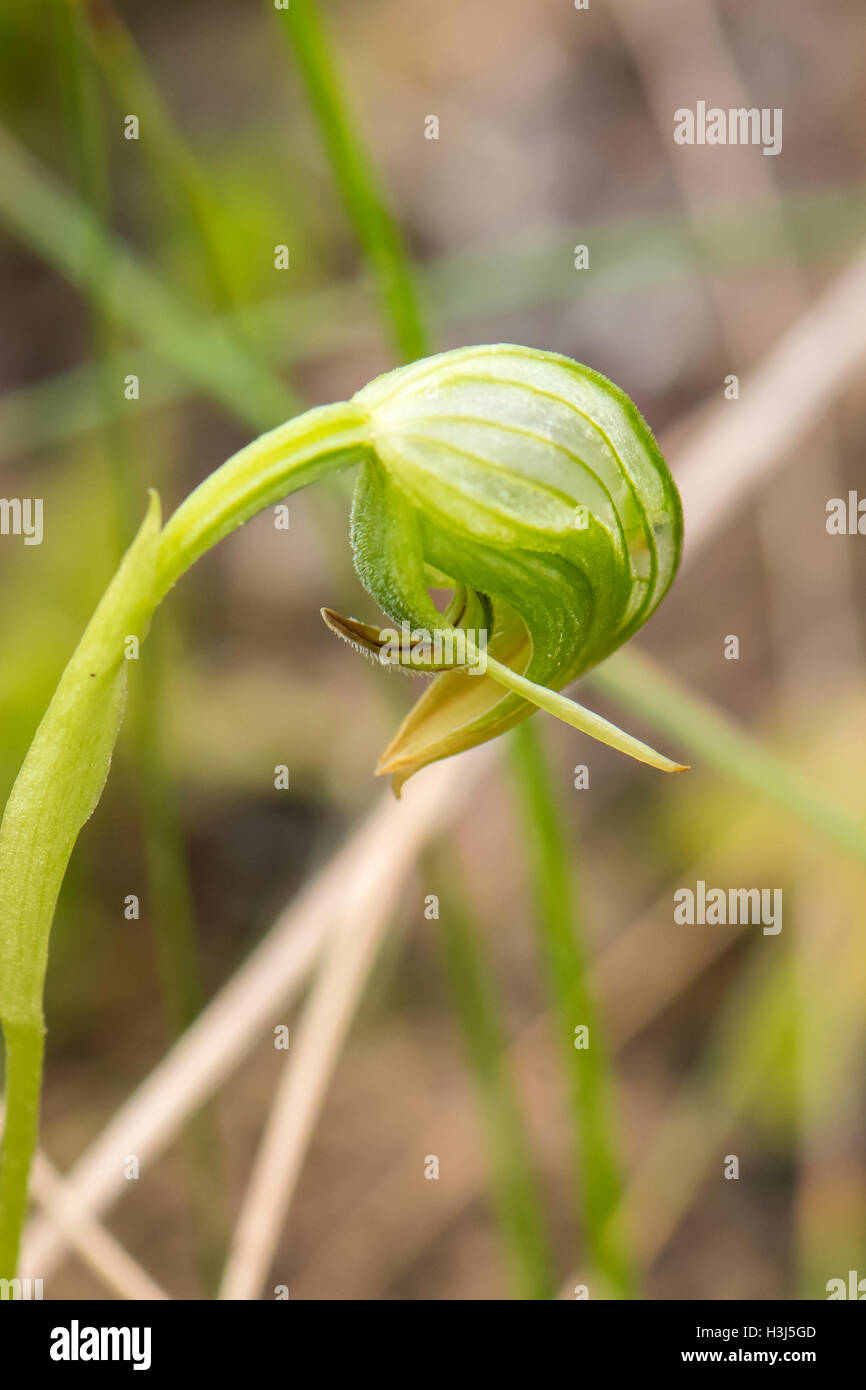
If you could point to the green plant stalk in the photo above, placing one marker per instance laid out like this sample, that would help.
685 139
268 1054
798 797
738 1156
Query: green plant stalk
356 178
56 791
516 1195
65 769
24 1045
588 1071
293 455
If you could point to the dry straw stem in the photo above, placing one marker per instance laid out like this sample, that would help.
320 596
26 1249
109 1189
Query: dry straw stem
98 1248
387 1230
738 444
385 845
734 449
349 955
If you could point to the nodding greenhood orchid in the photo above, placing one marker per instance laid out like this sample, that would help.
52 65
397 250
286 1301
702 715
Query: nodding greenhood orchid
531 487
526 484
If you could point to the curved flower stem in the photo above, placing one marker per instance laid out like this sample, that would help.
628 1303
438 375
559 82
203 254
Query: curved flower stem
285 459
63 774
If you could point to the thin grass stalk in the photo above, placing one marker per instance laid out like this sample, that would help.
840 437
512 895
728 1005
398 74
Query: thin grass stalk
58 227
516 1200
355 174
588 1071
515 1191
169 891
96 1246
192 202
172 918
337 989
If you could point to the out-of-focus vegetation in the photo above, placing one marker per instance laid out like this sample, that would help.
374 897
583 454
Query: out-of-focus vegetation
156 257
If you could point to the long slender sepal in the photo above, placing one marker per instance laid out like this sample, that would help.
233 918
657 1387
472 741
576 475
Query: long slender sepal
579 717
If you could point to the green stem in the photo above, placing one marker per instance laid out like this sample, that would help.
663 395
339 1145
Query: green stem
24 1044
65 769
292 456
356 178
519 1208
588 1070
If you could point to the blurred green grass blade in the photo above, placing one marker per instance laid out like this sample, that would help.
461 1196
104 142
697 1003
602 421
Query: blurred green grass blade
750 1048
516 1197
172 918
173 167
634 253
169 893
55 225
356 177
588 1071
708 736
190 201
84 124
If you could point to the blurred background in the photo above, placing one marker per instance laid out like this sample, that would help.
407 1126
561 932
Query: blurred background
154 257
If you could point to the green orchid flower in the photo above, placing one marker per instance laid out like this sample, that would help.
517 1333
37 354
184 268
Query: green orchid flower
526 484
530 486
